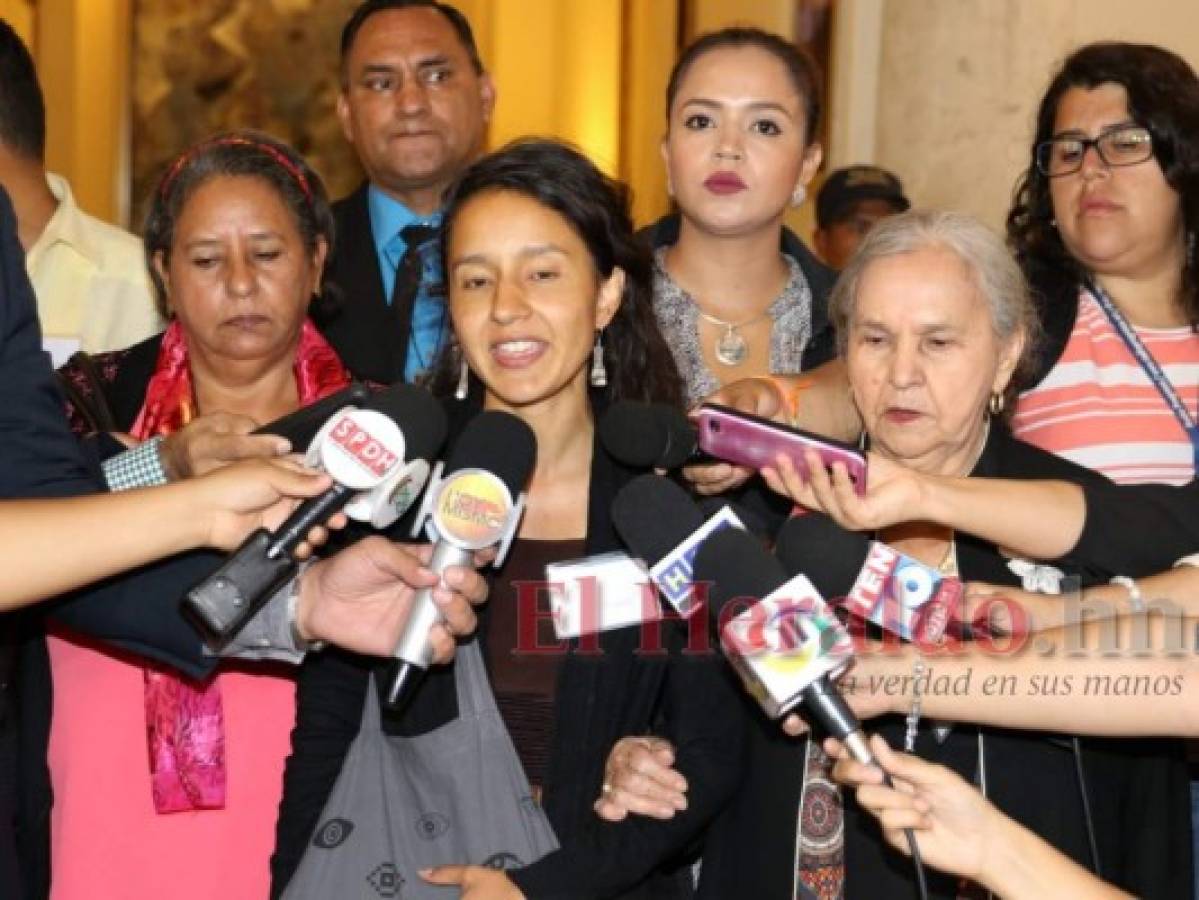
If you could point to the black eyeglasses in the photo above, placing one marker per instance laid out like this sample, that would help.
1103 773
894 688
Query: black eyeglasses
1123 145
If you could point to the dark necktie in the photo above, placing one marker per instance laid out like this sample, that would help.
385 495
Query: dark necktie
409 271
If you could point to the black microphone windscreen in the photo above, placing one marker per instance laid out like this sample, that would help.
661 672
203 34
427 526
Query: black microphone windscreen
419 415
818 547
497 442
653 515
733 563
647 435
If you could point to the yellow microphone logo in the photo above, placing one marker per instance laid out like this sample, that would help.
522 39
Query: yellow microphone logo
472 508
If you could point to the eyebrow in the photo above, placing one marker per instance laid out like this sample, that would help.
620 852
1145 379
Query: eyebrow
758 105
1078 132
930 328
428 62
254 236
524 253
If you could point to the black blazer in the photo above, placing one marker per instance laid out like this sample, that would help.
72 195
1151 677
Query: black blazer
370 337
600 699
1138 789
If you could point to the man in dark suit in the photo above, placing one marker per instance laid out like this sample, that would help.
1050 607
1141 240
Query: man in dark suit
415 102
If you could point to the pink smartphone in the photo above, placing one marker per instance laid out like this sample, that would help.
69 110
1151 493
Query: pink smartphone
749 440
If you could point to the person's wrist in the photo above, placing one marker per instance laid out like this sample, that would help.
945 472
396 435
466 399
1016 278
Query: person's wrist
297 613
1002 867
301 600
935 497
169 460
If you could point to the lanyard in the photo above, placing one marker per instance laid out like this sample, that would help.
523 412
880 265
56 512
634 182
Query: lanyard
1142 355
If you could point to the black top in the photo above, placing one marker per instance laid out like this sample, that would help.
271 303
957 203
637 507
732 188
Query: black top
598 700
1141 812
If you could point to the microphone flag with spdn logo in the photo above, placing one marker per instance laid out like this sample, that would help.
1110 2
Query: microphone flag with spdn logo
362 450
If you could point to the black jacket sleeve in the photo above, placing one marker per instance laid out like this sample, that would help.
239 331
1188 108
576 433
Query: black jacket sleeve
1140 529
703 717
38 455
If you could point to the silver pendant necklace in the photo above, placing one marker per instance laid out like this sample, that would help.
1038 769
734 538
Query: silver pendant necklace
731 348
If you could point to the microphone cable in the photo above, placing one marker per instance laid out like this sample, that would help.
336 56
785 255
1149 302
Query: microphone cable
913 847
1088 820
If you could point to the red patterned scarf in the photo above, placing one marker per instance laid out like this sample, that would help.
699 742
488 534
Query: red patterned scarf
184 719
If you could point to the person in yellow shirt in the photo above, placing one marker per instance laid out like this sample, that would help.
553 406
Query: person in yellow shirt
90 278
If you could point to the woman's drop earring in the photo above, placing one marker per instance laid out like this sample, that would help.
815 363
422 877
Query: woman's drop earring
463 388
799 195
599 373
997 403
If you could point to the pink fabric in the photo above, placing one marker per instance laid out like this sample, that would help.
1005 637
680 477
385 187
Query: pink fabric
184 721
107 838
108 841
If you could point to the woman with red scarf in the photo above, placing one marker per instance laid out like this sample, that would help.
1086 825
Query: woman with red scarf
164 787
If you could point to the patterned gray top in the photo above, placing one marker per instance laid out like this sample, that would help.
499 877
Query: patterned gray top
678 317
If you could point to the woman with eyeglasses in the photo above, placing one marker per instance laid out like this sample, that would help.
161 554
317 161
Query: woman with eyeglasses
1104 227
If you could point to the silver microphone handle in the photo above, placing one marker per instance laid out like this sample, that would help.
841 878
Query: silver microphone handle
413 646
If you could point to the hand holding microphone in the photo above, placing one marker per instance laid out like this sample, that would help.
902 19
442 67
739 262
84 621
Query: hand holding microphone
805 646
361 449
473 502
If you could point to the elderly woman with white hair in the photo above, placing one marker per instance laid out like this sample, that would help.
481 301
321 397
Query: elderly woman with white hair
934 322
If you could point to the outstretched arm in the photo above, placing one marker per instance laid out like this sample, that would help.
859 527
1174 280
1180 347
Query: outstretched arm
111 533
959 831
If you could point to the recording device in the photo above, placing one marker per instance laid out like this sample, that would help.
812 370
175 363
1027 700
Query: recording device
361 449
786 646
752 441
834 556
904 596
649 436
661 524
474 501
873 581
301 426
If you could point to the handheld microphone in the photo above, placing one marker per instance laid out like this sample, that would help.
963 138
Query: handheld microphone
475 503
871 580
662 525
794 618
649 436
302 425
786 646
360 449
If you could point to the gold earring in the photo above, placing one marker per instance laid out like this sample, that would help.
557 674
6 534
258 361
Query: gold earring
997 403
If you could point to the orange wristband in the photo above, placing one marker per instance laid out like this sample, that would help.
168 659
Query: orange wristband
790 394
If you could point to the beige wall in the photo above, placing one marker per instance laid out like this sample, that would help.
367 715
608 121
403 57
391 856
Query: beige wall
959 80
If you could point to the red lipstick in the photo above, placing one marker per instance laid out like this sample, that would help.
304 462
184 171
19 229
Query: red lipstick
724 183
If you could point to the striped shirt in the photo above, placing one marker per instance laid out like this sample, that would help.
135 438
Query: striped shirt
1097 407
